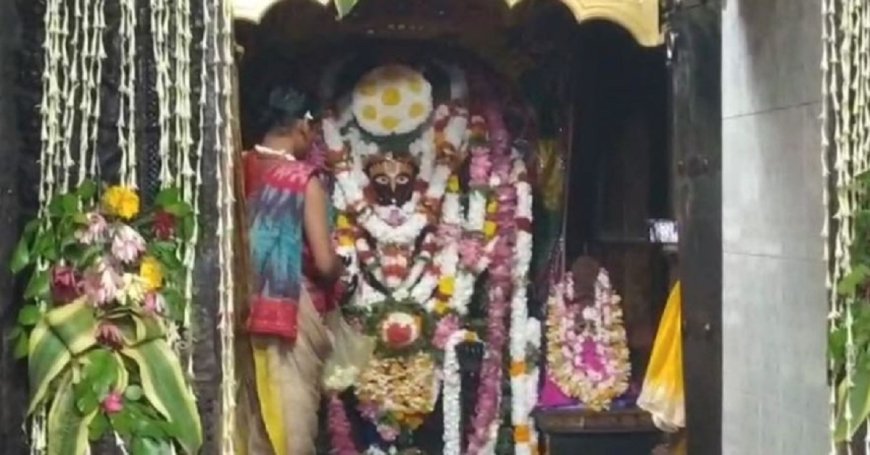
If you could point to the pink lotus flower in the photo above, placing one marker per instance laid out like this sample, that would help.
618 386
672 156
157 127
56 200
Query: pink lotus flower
154 303
102 282
444 329
95 230
65 285
110 335
113 403
127 244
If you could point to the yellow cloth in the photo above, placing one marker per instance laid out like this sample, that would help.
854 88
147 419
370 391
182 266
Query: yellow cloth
662 394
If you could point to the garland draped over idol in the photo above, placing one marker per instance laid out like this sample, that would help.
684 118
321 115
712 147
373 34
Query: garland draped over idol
846 164
109 268
416 262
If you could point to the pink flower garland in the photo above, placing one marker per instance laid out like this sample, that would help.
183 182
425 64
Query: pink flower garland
489 391
340 428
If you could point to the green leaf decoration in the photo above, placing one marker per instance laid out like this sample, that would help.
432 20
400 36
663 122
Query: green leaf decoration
67 427
167 197
148 446
98 427
47 357
45 245
29 315
848 285
188 226
39 285
858 400
20 350
344 7
87 190
21 256
137 328
31 227
88 256
146 423
87 401
133 392
178 209
148 328
174 304
100 372
64 205
166 389
75 324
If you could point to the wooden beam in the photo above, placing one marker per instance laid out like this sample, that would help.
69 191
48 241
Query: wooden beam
697 146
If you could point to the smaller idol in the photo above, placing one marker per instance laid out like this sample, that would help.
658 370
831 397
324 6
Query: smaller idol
587 348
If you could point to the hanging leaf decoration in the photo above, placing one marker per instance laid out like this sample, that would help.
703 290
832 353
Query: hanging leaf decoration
47 357
165 388
69 426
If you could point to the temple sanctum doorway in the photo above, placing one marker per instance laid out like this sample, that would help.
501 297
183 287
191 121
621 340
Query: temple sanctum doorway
426 100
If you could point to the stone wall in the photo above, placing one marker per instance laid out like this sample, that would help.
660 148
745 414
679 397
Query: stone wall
11 374
774 310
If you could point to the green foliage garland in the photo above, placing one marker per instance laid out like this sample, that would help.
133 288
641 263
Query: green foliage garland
105 285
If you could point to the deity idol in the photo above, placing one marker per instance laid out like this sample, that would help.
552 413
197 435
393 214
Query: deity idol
293 267
429 194
587 351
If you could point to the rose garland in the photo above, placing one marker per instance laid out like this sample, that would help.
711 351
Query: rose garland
485 422
589 363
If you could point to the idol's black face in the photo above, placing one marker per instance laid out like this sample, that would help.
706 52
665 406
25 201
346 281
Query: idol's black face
392 181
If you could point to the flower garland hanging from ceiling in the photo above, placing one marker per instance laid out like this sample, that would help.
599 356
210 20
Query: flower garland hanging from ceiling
110 280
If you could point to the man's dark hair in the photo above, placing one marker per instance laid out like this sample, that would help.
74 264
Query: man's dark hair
284 108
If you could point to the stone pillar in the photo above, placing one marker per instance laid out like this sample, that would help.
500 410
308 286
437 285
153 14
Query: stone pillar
774 305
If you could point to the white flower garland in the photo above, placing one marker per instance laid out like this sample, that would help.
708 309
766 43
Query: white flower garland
49 112
225 144
421 281
452 405
126 124
521 380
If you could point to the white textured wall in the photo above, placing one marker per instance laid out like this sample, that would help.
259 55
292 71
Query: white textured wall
775 398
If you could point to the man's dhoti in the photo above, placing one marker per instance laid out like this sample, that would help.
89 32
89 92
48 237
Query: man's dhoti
280 398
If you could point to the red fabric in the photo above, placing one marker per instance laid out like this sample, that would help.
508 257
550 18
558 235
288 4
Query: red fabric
273 317
282 173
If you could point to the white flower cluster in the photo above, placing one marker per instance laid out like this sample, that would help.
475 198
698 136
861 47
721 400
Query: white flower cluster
452 407
524 381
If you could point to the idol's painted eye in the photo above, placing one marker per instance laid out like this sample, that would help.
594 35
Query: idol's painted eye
382 180
403 179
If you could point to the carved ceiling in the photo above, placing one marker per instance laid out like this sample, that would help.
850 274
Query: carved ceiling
422 18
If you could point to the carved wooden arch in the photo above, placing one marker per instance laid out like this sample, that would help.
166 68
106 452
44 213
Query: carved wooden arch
639 17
